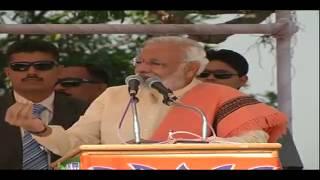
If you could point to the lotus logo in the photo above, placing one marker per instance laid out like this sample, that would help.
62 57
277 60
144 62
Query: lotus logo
182 166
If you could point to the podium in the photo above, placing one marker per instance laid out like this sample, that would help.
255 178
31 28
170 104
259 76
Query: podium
244 156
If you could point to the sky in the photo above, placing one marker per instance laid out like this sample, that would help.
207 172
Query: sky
305 80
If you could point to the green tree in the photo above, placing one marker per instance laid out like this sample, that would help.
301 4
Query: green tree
114 52
268 97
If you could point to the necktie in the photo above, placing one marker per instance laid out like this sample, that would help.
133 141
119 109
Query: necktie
34 156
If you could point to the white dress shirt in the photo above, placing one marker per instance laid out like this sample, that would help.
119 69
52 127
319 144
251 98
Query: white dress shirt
47 114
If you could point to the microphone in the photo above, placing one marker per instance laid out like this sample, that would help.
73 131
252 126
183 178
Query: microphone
155 83
170 99
133 82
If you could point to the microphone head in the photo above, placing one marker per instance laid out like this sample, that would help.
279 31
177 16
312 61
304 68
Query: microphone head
155 83
134 77
151 80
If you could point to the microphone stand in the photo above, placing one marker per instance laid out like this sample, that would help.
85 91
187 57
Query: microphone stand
136 126
172 101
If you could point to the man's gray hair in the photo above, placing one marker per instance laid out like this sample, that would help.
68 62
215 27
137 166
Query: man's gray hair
194 51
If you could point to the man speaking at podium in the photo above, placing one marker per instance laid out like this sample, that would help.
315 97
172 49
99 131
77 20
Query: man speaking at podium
176 61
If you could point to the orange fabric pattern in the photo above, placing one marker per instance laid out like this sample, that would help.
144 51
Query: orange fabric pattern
234 112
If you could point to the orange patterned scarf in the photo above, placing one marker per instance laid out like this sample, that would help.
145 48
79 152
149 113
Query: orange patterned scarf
230 111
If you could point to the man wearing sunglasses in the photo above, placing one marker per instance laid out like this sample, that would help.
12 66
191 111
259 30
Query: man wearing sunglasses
176 61
33 71
230 68
85 82
225 67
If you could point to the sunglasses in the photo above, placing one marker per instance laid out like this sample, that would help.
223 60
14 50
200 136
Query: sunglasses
217 74
38 65
75 82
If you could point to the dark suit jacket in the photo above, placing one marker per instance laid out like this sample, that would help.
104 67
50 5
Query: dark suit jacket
67 111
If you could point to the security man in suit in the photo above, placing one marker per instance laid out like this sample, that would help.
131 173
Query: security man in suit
32 68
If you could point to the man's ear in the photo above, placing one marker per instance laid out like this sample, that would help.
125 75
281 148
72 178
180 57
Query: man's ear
192 68
7 71
243 80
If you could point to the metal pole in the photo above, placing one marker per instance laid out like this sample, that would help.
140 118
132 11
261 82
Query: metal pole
284 65
160 29
136 125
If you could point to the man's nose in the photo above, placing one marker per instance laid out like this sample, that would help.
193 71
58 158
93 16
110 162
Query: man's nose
211 77
143 68
32 70
58 87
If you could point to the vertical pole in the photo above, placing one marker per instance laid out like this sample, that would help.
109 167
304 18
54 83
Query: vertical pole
284 69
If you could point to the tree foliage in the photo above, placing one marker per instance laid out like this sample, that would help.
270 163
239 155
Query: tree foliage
114 52
268 97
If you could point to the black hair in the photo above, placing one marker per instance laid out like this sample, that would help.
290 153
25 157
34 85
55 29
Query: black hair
97 72
232 58
32 45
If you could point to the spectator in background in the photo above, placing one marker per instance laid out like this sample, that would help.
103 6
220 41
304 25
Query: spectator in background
230 68
225 67
2 75
85 82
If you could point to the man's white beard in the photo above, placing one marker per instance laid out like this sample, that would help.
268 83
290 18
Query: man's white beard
176 81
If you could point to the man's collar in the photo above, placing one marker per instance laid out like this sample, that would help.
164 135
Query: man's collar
180 92
48 102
